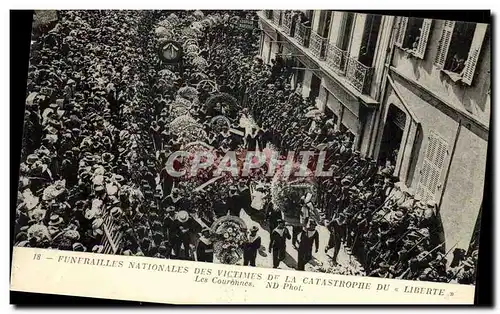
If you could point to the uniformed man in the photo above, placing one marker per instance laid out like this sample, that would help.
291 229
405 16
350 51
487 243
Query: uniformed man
205 247
233 202
277 245
251 248
274 215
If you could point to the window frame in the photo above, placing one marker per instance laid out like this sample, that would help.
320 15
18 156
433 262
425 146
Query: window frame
401 36
468 73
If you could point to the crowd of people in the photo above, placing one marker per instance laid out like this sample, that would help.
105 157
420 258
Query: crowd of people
101 112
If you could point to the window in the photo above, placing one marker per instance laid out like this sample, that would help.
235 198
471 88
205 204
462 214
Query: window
413 34
324 23
369 40
432 167
345 31
459 49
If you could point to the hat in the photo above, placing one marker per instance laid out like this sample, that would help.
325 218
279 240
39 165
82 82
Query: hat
55 220
31 159
98 249
115 211
254 229
384 265
79 247
182 216
398 214
170 209
469 262
424 232
347 180
107 157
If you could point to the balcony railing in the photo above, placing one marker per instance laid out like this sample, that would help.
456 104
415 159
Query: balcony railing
286 23
318 45
277 17
268 14
302 34
336 58
359 75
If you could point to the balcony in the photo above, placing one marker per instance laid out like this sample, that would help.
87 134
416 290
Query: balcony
336 58
268 14
359 75
302 34
318 45
287 23
277 17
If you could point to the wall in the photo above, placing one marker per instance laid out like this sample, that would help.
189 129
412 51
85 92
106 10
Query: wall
472 99
383 41
463 192
306 84
266 47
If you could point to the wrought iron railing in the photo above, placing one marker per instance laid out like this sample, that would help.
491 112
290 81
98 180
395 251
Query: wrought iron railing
268 14
318 45
286 23
302 34
336 58
359 75
277 17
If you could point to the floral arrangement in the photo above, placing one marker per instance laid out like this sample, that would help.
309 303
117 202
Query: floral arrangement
219 123
187 128
166 23
188 92
163 32
188 32
200 63
229 233
285 196
177 111
207 22
173 19
198 14
225 99
197 26
207 85
192 48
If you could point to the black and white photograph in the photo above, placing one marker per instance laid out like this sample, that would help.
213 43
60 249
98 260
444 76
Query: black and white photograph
308 140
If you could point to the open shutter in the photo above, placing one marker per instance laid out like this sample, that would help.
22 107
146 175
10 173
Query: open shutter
432 167
403 24
424 37
444 43
475 49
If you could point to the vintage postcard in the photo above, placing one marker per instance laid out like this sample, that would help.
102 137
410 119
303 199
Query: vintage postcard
253 157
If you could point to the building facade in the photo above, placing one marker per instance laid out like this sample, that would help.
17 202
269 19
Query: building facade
413 91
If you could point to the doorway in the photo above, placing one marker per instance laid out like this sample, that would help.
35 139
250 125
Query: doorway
315 85
392 135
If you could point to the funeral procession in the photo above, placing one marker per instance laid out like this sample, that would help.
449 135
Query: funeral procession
310 140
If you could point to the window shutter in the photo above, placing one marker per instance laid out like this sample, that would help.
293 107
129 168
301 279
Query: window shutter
444 43
432 166
424 37
403 24
475 49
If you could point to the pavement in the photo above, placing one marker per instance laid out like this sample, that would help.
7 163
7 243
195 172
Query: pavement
265 259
